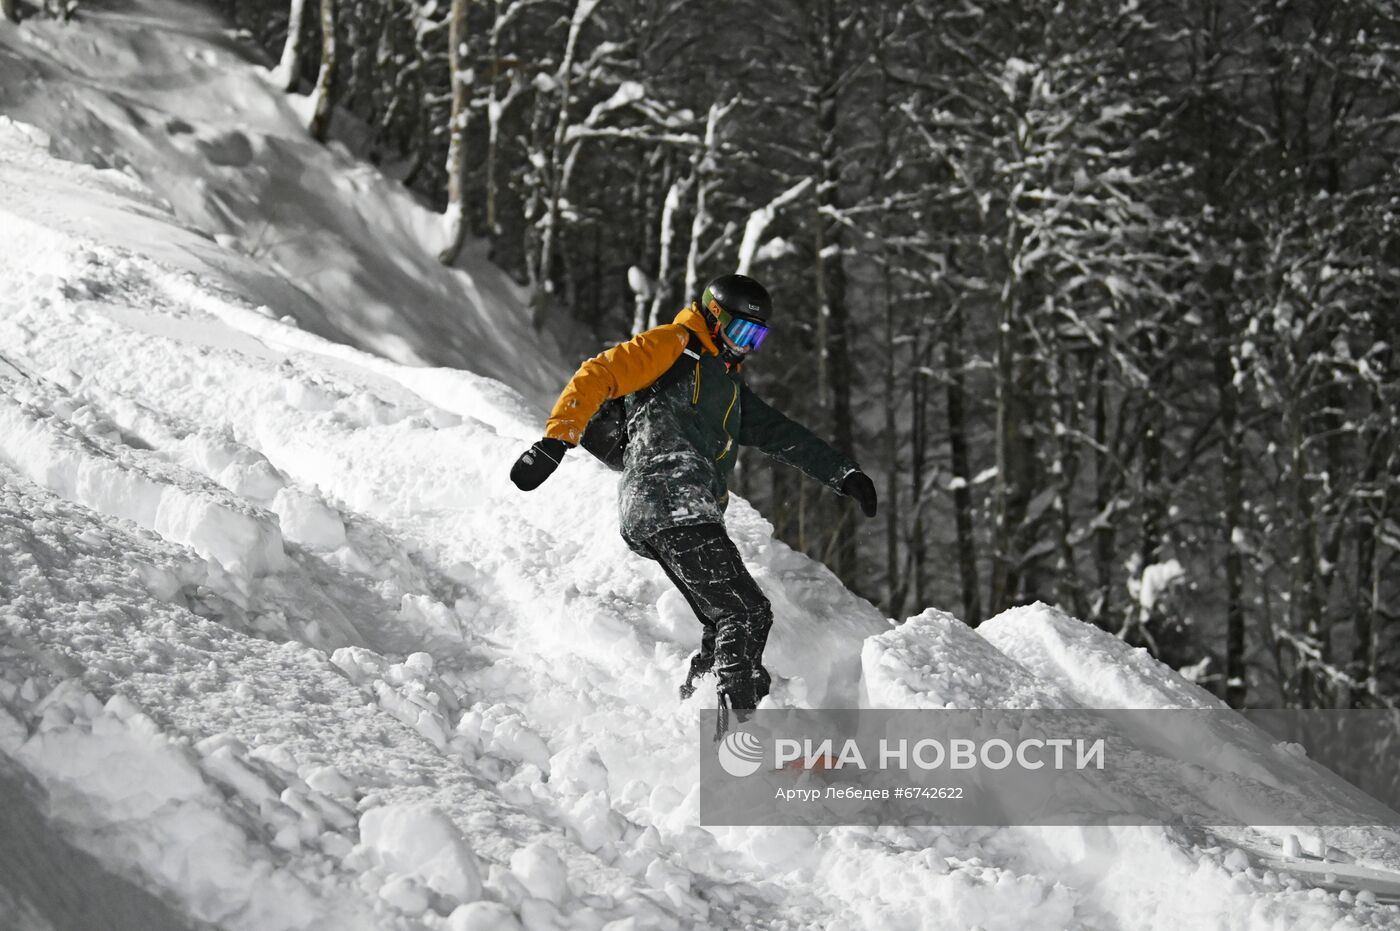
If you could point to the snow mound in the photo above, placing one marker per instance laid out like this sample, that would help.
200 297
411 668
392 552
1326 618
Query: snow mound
420 842
1096 668
934 660
1101 671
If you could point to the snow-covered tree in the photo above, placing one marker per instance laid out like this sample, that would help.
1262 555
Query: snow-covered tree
456 147
323 96
288 69
499 69
1033 119
551 154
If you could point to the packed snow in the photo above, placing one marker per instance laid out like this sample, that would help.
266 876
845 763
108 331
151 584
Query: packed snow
282 647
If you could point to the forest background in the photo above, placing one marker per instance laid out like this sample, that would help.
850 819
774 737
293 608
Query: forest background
1105 296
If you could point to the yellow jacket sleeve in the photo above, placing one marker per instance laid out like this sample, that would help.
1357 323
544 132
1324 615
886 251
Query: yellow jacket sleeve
621 370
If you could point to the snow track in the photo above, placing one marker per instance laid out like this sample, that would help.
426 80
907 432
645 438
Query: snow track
281 645
65 447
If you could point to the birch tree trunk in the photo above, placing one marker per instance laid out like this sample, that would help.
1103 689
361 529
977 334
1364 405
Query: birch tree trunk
493 144
1372 518
544 289
1236 690
918 465
667 236
1010 496
1105 538
890 449
955 369
704 177
1363 657
1152 508
288 70
495 107
456 143
834 359
324 96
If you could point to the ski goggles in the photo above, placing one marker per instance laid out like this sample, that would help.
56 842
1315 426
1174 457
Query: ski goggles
746 335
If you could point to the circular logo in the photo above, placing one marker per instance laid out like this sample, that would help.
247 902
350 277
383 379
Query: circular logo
740 753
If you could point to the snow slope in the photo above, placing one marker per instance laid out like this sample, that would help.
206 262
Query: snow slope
159 91
281 647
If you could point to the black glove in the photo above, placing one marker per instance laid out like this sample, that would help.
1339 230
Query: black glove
538 463
859 486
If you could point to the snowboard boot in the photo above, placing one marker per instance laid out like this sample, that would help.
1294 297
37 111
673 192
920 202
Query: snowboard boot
761 682
700 665
738 698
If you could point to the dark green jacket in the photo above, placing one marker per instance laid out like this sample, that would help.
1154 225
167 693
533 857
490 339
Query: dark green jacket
683 437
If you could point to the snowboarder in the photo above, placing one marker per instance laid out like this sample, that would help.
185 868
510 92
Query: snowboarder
686 407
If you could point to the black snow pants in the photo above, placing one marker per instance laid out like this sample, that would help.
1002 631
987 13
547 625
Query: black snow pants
705 565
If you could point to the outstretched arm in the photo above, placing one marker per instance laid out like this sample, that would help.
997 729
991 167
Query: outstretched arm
766 428
623 369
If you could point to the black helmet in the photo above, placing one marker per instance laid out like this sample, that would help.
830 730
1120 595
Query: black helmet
740 296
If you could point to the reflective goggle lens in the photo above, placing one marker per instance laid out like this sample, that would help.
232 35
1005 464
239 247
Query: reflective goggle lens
746 334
